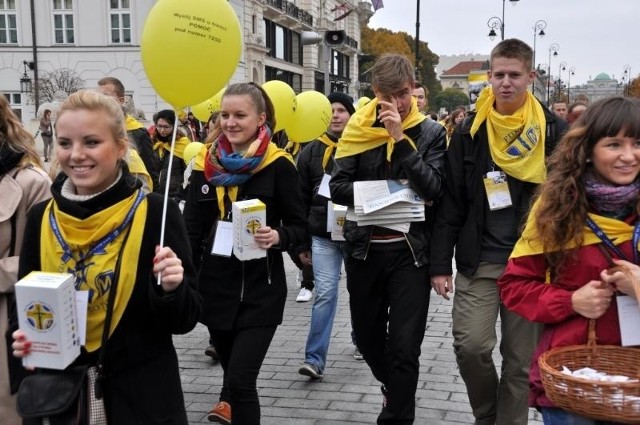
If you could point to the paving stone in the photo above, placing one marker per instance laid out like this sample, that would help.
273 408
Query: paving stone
348 394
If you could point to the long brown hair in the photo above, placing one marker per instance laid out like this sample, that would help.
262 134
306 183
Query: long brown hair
563 204
15 137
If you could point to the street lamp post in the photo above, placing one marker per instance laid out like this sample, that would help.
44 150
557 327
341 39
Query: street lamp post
553 50
627 78
572 71
25 81
495 22
561 67
538 30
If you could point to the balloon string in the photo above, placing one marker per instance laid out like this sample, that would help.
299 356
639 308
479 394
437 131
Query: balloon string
166 189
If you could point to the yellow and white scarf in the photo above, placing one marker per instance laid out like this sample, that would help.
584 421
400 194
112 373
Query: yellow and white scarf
163 148
516 141
360 136
531 244
328 152
98 272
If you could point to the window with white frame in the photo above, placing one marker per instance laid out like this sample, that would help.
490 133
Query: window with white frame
8 26
63 22
120 21
15 102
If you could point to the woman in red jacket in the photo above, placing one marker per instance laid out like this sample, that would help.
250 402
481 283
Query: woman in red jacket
584 221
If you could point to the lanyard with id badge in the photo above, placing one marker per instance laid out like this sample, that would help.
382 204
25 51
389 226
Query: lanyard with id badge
497 189
223 239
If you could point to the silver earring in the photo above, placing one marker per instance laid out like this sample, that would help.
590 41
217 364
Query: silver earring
588 161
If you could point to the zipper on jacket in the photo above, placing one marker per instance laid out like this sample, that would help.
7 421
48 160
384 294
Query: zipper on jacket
242 284
413 254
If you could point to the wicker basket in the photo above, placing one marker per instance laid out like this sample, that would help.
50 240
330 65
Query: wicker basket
607 401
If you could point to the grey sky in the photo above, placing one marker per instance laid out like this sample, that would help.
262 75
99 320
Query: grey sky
594 36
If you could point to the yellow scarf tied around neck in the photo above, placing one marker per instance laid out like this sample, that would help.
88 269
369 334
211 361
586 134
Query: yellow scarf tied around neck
328 152
96 276
131 123
516 141
137 167
360 136
530 243
293 147
273 152
165 147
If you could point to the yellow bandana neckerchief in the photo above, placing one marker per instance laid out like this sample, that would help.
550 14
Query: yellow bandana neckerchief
328 152
96 277
516 141
165 147
137 167
273 152
293 147
530 243
360 136
132 123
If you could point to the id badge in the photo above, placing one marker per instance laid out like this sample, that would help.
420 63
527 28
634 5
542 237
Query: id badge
323 190
497 190
223 242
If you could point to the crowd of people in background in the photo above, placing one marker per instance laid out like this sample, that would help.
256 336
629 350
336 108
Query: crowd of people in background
537 206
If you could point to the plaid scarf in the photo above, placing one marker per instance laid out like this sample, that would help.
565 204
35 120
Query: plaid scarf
226 170
610 199
224 167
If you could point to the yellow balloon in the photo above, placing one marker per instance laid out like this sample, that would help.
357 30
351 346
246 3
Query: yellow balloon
284 102
191 150
362 101
203 110
311 118
216 100
176 30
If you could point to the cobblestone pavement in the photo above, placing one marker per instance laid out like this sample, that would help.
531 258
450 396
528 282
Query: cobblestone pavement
348 393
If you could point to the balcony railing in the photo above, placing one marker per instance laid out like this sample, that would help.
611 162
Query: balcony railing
292 10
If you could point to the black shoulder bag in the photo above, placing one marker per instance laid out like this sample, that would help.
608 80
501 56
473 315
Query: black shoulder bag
73 396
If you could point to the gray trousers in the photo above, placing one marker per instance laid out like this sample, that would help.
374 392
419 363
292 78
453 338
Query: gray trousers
494 399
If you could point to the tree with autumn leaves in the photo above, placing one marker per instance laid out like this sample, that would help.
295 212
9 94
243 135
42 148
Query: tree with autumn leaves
376 42
634 88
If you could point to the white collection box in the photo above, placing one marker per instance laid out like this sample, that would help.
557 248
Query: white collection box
46 304
248 217
339 217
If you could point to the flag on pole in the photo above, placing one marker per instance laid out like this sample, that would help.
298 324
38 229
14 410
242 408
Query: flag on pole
377 4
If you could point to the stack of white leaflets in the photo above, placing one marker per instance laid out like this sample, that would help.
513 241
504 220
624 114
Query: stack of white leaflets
387 203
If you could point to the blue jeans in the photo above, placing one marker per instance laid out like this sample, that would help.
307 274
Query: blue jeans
327 257
556 416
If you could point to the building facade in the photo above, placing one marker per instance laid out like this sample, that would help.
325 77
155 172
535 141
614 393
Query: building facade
91 39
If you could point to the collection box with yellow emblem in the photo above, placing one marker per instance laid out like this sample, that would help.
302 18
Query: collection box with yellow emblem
339 217
248 217
46 304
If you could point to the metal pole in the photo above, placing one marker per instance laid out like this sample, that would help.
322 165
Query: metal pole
502 22
417 71
36 89
552 49
549 80
326 53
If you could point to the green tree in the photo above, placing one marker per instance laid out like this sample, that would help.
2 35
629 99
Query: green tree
449 98
376 42
426 67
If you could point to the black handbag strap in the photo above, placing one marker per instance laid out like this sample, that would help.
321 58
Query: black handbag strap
107 320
